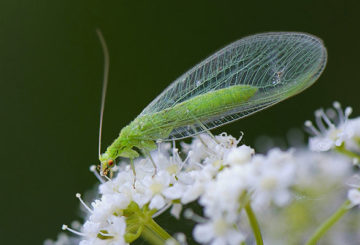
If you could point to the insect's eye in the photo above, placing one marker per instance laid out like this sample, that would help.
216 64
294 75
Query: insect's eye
111 163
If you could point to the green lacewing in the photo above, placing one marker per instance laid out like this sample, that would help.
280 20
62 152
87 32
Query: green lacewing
246 76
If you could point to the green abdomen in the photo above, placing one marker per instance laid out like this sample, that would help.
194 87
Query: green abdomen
197 109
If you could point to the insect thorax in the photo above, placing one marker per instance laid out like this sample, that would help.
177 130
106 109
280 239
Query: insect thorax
123 146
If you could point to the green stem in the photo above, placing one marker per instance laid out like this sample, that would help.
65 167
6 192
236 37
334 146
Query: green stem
329 223
155 234
139 222
152 237
341 149
254 224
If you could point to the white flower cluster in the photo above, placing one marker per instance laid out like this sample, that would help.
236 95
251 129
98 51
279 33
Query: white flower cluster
223 177
334 128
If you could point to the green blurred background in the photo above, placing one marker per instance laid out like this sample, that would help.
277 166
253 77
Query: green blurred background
51 68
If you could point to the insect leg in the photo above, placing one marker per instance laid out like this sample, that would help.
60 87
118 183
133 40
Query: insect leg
152 161
202 141
207 131
203 127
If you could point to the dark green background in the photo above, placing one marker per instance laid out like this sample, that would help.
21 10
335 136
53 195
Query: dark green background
51 69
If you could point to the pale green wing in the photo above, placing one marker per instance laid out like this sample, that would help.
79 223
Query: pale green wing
279 65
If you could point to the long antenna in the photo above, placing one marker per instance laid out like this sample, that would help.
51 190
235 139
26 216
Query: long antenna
105 82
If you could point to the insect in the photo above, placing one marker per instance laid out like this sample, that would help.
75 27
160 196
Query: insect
246 76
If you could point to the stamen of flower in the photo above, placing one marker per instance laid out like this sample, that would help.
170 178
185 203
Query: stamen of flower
339 110
332 114
190 214
186 159
65 227
337 105
162 210
348 111
190 153
176 155
97 175
240 137
311 128
78 195
200 165
318 119
326 119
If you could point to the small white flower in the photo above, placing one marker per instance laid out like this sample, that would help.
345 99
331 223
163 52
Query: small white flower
353 143
275 174
151 189
313 168
91 229
196 183
197 149
157 202
239 155
122 179
107 206
206 149
217 232
221 176
334 132
116 229
221 196
354 196
174 192
176 210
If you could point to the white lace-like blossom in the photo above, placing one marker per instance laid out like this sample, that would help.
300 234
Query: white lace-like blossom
353 142
274 175
216 171
314 167
333 128
223 177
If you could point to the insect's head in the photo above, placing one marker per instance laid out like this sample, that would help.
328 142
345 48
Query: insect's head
106 164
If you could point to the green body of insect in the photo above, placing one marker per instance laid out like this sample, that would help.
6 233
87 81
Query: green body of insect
242 78
160 124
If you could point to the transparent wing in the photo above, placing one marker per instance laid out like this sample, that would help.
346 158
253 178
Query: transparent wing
278 64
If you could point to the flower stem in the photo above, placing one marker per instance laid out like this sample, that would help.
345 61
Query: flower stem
155 234
139 222
341 149
329 223
254 224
